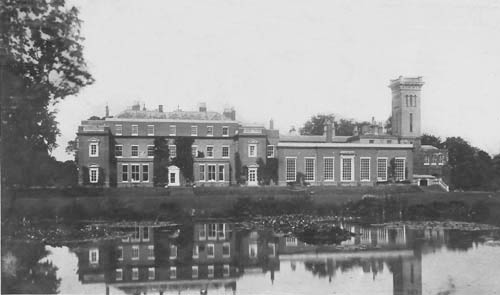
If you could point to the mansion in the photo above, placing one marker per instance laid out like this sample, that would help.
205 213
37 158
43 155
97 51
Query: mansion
121 150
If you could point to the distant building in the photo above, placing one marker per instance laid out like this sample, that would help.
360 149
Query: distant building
120 151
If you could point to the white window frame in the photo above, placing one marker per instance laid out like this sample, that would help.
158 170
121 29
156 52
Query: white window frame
194 271
146 228
361 170
119 250
314 169
172 147
96 145
151 252
132 150
253 246
195 129
271 155
223 172
254 155
213 151
147 151
333 168
208 172
132 172
194 151
226 271
135 247
404 168
173 252
173 273
119 274
294 169
118 127
172 130
228 151
212 130
427 160
204 231
290 241
149 128
142 173
386 160
96 170
342 158
228 245
96 252
204 173
136 127
196 253
135 273
151 273
227 128
210 272
209 230
212 246
116 147
127 173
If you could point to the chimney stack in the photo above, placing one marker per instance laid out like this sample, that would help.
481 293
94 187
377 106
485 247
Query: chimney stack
229 113
329 131
160 108
355 131
271 124
107 111
203 107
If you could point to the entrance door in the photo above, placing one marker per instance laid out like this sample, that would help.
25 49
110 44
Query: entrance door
252 176
173 176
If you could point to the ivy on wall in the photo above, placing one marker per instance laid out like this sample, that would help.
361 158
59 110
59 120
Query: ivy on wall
184 158
160 161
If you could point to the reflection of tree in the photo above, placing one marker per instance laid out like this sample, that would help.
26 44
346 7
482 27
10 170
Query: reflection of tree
462 240
22 271
330 267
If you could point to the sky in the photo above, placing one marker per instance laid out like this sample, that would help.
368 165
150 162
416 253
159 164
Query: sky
289 60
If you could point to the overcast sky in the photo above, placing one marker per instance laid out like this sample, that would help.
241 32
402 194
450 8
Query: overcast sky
289 60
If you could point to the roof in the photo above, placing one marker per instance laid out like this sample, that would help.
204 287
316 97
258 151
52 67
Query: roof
312 138
428 147
343 145
175 115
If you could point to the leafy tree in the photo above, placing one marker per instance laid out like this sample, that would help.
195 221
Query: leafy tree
42 64
428 139
184 157
160 161
388 125
343 127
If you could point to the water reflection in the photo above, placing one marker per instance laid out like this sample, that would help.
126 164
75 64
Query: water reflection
216 256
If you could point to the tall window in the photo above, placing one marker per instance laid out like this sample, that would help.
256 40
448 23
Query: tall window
211 173
400 168
210 271
94 255
194 151
328 173
135 130
270 151
135 173
145 172
135 252
210 250
119 253
145 234
225 151
364 173
173 252
411 122
194 271
118 150
151 151
252 150
226 270
210 130
225 131
151 130
94 175
407 100
382 169
414 100
194 130
226 250
119 274
134 151
173 272
172 151
221 173
124 173
172 130
427 160
94 149
118 129
135 273
202 234
210 151
291 169
151 273
196 251
309 164
151 252
212 231
202 173
347 168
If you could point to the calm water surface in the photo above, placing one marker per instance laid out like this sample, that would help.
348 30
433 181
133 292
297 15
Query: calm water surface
225 258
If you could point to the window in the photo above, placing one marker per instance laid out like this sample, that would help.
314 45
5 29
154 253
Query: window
135 173
426 160
347 168
124 173
151 273
94 149
414 100
407 100
137 234
202 172
271 247
212 231
134 151
135 273
291 241
151 252
371 141
226 250
119 253
225 151
210 130
118 129
211 173
382 169
94 175
151 130
173 272
433 159
145 233
291 166
196 251
221 231
270 151
94 255
118 150
328 169
210 250
389 141
194 130
225 131
226 270
172 130
309 164
151 151
411 122
194 271
440 159
194 151
135 252
172 151
364 173
221 173
252 150
135 130
145 172
400 168
203 232
210 151
173 252
119 274
252 250
210 271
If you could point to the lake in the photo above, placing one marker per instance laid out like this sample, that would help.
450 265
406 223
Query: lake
217 256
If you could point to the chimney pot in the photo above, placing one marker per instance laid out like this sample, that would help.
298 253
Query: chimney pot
203 107
160 108
271 124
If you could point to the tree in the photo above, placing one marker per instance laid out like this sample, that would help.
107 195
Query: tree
42 64
184 158
160 161
428 139
343 127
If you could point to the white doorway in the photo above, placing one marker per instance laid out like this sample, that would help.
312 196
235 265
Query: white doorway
173 176
252 176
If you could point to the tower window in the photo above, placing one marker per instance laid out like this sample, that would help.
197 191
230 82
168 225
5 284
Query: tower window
411 122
